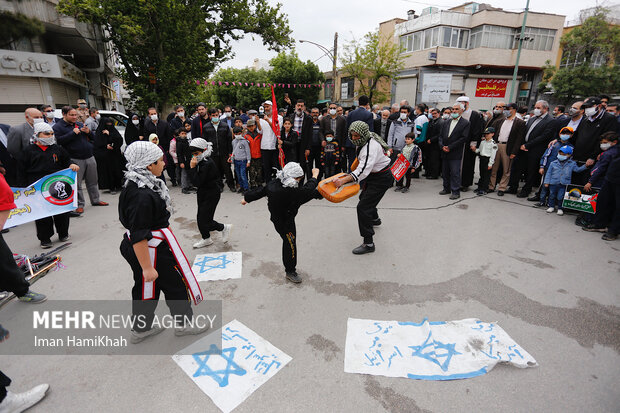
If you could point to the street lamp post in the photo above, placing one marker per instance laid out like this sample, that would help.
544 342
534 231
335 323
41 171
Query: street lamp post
333 56
521 39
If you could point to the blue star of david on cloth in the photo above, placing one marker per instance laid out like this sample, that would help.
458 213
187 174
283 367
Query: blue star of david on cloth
432 355
208 263
220 376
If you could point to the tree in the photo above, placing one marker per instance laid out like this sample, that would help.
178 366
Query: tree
371 60
241 96
15 26
589 59
164 45
289 69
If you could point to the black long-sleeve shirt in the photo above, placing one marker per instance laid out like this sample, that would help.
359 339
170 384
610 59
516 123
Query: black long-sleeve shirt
284 202
205 176
141 210
34 163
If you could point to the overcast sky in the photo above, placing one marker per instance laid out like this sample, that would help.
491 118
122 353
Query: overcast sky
318 20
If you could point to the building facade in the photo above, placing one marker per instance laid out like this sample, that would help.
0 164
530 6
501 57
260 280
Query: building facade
68 62
472 50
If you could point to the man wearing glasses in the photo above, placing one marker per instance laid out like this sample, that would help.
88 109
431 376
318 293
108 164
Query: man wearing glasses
48 115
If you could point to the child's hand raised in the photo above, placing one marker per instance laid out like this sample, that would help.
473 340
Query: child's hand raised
193 162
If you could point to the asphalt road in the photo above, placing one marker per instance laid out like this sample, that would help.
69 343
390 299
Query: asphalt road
552 287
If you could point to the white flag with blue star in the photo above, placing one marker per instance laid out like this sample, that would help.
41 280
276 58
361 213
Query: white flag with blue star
430 350
217 266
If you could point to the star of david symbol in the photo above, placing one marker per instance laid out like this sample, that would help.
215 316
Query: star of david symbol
209 263
220 376
432 355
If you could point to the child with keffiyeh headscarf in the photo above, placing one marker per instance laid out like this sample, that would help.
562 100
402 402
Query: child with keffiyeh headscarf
284 197
153 253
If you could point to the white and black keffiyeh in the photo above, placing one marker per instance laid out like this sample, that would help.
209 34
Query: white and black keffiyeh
203 145
139 155
288 174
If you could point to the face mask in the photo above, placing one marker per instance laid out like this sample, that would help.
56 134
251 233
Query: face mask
227 114
562 158
153 117
403 116
82 106
47 141
537 112
98 116
445 116
37 120
200 157
238 136
605 146
135 121
215 119
497 111
507 113
299 112
454 115
590 111
332 112
329 139
181 114
572 112
564 138
49 115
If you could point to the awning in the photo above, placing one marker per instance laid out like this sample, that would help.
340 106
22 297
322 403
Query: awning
323 101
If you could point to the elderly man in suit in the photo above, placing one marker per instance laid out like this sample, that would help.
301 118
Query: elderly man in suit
538 134
19 136
382 124
454 134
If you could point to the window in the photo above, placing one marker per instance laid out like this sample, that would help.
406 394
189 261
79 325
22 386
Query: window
496 37
346 88
541 39
329 89
417 41
568 60
426 39
453 37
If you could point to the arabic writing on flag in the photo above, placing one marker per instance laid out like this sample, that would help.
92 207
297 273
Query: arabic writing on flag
491 88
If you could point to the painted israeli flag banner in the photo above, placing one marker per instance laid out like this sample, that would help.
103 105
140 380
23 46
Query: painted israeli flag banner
230 374
217 266
430 350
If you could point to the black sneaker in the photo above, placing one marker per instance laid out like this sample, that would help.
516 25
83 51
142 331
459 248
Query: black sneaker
534 198
490 191
65 238
500 193
608 236
593 228
293 277
539 205
376 222
464 188
404 190
47 244
455 196
364 249
444 192
398 189
523 194
579 221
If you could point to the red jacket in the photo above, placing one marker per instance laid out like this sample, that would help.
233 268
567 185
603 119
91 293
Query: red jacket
254 144
6 195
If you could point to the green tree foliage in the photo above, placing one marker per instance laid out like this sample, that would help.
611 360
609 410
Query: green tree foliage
286 69
371 60
14 26
289 69
595 40
164 45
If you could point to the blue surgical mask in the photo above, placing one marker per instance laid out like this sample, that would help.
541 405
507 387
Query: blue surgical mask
562 158
454 115
564 138
329 139
215 119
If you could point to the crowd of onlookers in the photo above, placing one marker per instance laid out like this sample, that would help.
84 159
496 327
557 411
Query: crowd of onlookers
533 154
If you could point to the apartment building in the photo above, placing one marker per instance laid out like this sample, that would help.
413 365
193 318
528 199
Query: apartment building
471 50
68 62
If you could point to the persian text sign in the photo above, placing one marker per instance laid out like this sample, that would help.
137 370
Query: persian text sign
491 88
51 195
435 350
574 198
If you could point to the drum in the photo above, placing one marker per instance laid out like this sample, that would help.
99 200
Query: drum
333 194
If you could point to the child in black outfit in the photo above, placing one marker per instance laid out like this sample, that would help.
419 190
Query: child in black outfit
38 159
205 176
288 141
330 154
284 200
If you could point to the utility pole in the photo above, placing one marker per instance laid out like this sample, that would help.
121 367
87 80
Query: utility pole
521 38
335 68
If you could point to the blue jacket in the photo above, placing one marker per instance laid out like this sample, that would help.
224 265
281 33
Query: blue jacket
551 154
560 173
79 146
600 168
